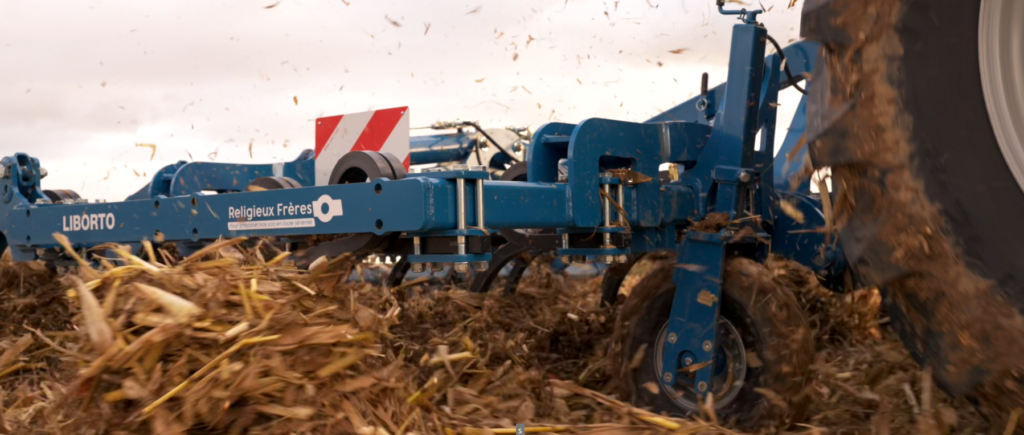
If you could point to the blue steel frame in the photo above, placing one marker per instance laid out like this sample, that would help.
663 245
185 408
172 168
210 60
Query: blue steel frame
183 178
723 173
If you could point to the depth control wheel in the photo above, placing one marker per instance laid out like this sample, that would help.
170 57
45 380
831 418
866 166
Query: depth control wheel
764 342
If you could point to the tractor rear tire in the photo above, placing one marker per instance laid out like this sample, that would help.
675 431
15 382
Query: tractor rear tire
775 348
929 209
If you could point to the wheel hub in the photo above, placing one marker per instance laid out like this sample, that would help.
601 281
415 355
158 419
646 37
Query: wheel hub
728 371
1001 58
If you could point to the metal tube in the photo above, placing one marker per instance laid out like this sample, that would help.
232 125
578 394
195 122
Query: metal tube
607 212
480 203
416 246
460 195
621 197
565 245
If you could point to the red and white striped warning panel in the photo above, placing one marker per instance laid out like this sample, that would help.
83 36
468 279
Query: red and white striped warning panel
384 130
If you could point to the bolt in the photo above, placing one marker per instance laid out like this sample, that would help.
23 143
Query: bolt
622 259
667 377
703 386
417 267
566 259
672 337
480 266
687 361
606 259
707 345
579 259
436 267
478 168
744 176
462 267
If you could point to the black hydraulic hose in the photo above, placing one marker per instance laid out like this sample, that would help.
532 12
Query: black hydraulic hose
785 66
491 140
476 150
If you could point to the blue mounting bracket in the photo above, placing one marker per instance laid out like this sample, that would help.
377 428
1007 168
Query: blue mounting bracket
186 178
728 168
692 326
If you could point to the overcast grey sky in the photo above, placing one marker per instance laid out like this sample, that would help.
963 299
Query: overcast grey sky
81 82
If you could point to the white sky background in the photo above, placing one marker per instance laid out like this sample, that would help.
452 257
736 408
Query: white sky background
82 81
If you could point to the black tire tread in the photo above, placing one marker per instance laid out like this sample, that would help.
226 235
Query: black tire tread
751 295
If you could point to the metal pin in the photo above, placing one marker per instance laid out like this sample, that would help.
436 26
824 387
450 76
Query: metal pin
417 267
621 197
460 195
607 213
480 203
565 245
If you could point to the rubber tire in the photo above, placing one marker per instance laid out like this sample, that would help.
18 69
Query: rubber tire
986 222
776 329
968 332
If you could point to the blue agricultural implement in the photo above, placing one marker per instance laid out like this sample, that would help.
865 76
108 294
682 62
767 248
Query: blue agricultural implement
610 202
597 190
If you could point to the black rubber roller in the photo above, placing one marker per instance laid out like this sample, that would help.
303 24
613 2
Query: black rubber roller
363 166
273 183
397 168
515 173
57 195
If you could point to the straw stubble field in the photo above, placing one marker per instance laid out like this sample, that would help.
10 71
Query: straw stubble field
234 340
